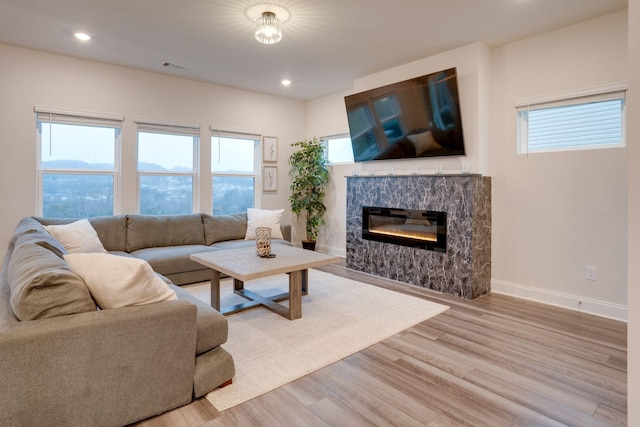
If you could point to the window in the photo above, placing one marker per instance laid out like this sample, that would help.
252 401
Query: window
78 163
338 149
586 121
167 168
234 166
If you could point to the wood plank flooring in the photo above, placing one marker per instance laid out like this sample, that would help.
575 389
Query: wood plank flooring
493 361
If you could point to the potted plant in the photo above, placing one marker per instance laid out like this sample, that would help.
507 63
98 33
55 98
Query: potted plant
310 176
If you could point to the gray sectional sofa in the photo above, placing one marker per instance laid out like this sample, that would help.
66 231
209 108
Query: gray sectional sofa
66 362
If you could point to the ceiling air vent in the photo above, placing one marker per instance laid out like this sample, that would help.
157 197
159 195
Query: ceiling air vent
177 66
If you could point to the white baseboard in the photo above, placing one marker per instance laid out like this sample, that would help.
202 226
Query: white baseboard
332 250
572 302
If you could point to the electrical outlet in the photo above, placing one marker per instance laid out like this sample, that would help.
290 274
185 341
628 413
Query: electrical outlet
590 273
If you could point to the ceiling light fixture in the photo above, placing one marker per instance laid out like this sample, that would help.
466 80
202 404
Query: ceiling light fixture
268 28
267 19
286 82
82 36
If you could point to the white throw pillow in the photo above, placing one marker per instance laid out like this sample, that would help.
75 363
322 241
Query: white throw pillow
116 281
263 218
424 142
77 237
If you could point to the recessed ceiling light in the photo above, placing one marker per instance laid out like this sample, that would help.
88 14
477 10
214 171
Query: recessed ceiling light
82 36
286 82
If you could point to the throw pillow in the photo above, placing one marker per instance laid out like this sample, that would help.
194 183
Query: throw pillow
77 237
115 281
424 142
263 218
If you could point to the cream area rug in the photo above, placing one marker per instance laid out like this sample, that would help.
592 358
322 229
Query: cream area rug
339 317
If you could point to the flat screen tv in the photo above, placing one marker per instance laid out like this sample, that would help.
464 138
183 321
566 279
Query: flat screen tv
415 118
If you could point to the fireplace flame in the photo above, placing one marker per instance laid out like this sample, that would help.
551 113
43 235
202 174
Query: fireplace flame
427 237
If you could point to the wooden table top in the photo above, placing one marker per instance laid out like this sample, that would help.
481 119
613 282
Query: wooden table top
245 264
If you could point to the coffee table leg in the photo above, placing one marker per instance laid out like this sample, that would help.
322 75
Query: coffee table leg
305 282
215 289
295 294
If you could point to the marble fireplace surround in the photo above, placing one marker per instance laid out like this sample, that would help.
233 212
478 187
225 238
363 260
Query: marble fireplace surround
465 269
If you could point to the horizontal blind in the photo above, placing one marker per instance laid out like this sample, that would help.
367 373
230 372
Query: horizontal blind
586 122
171 128
44 117
233 134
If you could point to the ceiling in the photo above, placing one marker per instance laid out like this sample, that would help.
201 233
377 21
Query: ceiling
327 44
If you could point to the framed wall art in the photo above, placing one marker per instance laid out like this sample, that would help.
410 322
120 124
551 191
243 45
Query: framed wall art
270 149
270 179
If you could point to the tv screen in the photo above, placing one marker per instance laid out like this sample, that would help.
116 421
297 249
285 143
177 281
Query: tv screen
415 118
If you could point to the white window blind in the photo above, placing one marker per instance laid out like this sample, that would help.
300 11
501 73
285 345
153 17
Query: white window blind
168 128
577 123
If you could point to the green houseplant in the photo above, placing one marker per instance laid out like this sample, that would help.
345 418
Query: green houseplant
310 176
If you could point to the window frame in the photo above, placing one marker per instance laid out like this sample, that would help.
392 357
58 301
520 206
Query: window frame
257 161
574 98
78 118
192 130
325 140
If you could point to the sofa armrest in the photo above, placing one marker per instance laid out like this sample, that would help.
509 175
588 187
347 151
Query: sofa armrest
110 367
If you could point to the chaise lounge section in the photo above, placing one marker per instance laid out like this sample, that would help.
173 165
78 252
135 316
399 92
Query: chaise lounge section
66 362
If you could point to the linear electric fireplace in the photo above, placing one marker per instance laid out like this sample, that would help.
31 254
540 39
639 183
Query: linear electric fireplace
407 227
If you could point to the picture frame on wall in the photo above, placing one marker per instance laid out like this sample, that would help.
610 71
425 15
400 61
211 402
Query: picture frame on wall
269 149
270 179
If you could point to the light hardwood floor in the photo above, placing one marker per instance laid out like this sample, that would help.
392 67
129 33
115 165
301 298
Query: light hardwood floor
493 361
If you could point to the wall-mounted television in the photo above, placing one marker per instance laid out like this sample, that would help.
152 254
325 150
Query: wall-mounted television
415 118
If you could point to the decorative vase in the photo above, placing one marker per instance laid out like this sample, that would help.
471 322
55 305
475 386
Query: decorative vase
263 241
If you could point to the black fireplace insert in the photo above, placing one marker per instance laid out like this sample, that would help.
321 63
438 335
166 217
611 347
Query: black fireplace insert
407 227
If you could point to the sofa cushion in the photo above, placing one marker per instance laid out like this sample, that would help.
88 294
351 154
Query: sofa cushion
77 237
42 285
116 281
151 231
263 218
220 228
212 326
34 232
112 230
172 259
28 226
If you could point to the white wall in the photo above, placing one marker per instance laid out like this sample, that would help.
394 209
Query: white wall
30 78
553 214
327 116
556 213
633 159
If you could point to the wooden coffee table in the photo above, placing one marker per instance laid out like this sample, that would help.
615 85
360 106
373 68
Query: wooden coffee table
244 264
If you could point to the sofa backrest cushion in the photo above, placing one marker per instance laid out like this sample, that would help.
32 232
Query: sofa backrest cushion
150 231
32 231
42 285
112 230
220 228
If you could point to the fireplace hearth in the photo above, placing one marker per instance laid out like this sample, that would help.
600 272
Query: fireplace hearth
406 227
